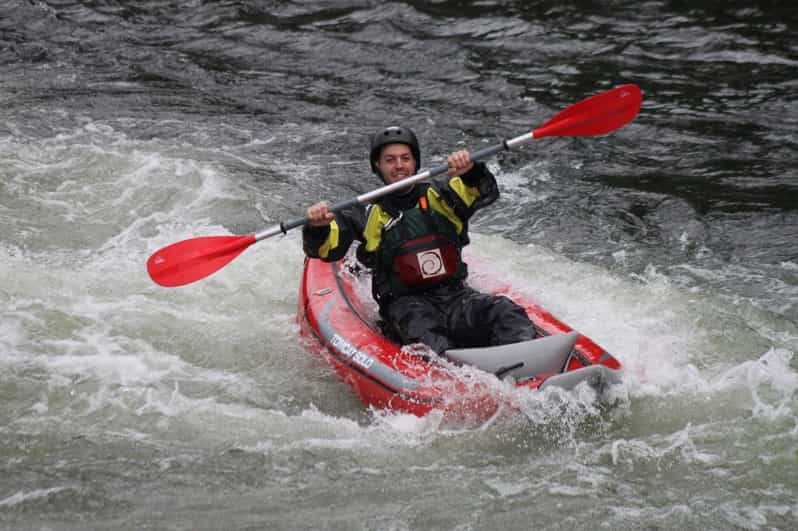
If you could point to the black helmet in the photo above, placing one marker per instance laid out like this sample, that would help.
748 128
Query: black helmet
393 135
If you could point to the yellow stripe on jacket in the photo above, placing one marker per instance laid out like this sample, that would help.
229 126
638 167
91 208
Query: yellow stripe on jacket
379 218
331 242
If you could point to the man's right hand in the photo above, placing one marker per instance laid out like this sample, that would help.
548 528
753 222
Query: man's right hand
319 215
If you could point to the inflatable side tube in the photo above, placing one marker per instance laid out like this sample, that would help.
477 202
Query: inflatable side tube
598 377
520 360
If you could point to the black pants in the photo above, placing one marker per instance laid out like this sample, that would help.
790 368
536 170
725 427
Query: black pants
457 316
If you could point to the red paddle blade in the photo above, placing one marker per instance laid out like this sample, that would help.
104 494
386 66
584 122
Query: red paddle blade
190 260
595 115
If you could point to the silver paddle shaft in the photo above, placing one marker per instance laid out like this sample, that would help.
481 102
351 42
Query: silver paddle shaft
369 197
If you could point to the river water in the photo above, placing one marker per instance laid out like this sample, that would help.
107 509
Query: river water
126 126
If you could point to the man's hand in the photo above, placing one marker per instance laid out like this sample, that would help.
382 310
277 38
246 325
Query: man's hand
459 163
319 215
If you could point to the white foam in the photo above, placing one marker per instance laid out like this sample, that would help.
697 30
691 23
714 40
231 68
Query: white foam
78 305
652 327
25 496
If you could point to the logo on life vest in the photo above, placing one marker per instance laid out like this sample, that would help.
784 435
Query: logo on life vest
430 263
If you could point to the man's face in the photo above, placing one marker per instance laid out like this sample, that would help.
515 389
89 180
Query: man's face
396 162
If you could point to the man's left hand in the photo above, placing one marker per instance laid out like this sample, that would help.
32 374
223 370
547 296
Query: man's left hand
459 163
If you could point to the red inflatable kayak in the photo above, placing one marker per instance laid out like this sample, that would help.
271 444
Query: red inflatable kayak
338 319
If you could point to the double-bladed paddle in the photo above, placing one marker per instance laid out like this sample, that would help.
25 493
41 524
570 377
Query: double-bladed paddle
196 258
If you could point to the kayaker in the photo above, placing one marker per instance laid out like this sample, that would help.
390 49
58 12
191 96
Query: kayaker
412 240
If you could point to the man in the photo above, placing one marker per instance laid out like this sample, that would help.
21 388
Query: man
412 240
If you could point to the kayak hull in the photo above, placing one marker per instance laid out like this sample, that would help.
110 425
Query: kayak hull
337 320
